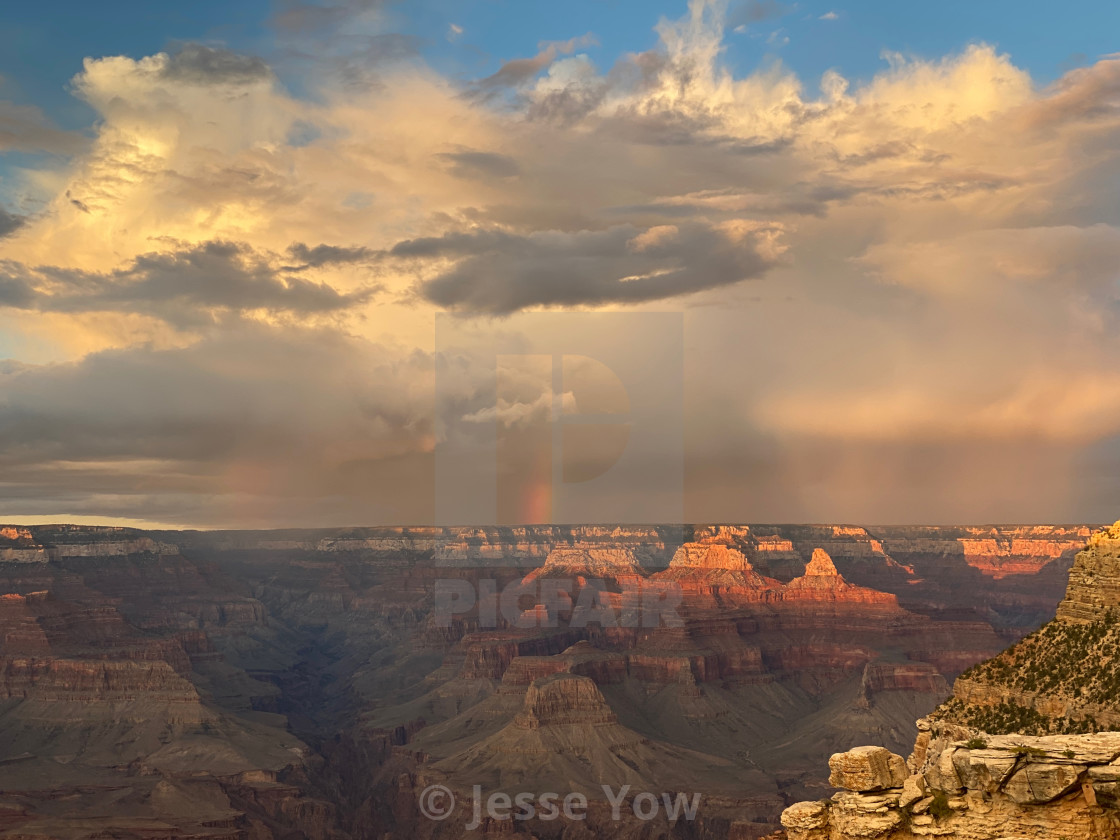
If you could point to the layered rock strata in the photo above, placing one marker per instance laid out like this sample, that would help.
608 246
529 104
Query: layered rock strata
970 786
983 765
228 684
1064 677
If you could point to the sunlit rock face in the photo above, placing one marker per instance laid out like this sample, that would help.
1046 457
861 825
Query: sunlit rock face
866 769
715 565
1094 580
1065 677
822 582
601 563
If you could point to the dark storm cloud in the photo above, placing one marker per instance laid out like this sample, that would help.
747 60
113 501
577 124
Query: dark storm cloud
568 105
499 273
9 222
15 292
183 287
201 65
472 164
321 255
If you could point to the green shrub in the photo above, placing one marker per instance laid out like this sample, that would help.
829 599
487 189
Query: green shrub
939 807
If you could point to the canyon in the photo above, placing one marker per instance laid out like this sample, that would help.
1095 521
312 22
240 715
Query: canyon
1024 748
303 684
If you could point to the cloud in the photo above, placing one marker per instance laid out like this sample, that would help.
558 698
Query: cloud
16 292
322 255
472 164
9 222
513 413
299 17
1005 261
498 273
1084 95
363 59
829 16
259 425
875 281
184 287
777 39
519 71
202 65
755 11
81 205
24 128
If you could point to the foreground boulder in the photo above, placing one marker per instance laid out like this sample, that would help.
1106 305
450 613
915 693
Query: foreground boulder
867 769
971 786
805 817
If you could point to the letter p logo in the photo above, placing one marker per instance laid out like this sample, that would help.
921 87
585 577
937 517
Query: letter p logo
561 418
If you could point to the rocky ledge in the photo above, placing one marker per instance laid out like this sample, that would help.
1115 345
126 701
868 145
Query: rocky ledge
959 783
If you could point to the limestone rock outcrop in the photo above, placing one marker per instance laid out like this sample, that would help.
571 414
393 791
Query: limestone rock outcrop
1094 580
806 818
866 769
973 788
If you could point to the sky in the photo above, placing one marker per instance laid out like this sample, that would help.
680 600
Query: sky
228 230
